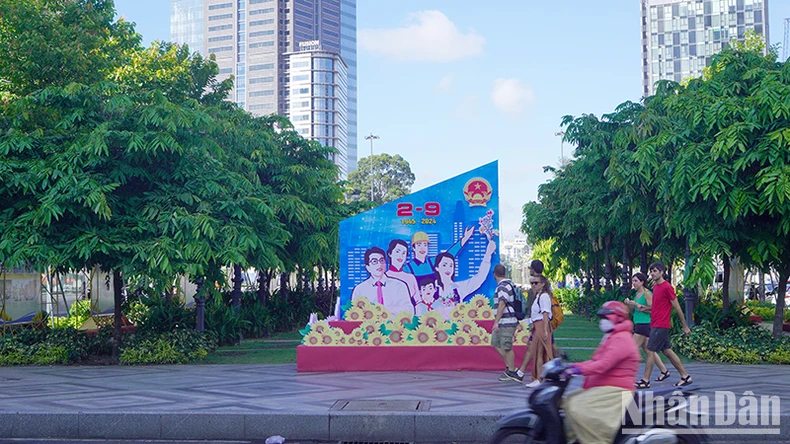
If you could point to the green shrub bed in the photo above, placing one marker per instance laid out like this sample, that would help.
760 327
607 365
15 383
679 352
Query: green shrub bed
175 347
749 344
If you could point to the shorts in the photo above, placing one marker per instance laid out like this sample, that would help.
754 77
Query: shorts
503 337
659 339
642 329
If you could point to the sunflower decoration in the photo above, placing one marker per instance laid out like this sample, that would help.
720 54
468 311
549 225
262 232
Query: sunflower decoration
440 336
522 337
402 319
459 312
486 313
329 338
370 327
431 319
357 335
478 338
383 314
320 327
361 302
479 301
459 338
398 337
468 327
422 335
442 325
485 338
312 339
376 339
353 314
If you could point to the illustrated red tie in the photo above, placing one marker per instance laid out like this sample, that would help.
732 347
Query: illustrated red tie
380 292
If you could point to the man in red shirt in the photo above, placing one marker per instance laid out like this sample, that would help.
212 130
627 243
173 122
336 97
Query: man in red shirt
664 299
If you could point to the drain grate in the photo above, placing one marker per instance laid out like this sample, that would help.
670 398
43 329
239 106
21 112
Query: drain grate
382 405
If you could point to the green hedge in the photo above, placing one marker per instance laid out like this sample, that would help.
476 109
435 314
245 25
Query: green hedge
738 345
175 347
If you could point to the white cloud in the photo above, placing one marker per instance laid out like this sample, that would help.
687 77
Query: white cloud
446 82
426 36
510 96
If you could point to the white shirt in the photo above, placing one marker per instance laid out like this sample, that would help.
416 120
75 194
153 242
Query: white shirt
541 305
394 291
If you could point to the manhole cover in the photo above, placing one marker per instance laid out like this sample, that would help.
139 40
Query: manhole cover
382 405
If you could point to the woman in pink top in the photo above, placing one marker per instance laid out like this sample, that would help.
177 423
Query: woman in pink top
594 414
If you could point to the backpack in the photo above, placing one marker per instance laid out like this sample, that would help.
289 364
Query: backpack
519 304
557 316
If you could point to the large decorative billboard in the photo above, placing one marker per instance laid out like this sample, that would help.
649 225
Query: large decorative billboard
428 251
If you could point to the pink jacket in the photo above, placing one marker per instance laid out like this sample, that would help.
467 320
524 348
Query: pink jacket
615 362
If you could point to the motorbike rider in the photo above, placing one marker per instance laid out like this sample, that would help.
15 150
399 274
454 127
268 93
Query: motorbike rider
594 414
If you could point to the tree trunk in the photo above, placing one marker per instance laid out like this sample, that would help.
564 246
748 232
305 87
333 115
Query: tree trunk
284 285
236 293
761 288
624 287
737 278
608 272
117 286
780 301
643 260
725 285
596 275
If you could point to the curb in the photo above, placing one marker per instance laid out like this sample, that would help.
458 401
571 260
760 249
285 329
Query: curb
330 426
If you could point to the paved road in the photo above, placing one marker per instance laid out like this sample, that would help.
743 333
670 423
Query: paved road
251 402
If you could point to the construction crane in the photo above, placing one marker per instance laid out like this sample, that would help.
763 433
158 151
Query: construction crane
786 42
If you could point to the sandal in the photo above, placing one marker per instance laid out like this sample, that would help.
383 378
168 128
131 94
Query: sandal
642 384
684 381
663 376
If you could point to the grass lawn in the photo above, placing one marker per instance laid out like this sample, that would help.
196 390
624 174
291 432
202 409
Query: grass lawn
577 336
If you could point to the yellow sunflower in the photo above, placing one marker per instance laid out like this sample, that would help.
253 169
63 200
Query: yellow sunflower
385 314
369 326
361 302
401 319
312 339
398 337
353 314
476 338
440 336
376 339
443 325
486 313
485 338
459 312
522 338
320 327
479 301
422 335
358 334
431 319
459 338
472 312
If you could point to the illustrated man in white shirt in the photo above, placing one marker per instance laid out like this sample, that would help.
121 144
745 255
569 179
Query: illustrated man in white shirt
382 289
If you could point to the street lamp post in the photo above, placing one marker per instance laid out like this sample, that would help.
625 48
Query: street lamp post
562 143
371 137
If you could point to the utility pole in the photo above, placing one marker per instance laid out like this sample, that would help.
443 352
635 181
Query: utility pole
786 42
371 137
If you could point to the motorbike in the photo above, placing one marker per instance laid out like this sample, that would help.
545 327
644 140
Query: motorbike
543 420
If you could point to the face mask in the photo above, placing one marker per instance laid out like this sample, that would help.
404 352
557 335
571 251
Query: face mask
605 325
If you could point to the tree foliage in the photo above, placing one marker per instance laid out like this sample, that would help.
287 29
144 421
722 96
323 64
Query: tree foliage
389 177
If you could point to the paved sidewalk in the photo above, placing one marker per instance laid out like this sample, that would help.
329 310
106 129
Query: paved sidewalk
249 402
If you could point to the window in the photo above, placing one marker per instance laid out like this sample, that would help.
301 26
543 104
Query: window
261 33
219 28
261 67
300 65
255 2
261 44
261 22
211 18
261 80
226 71
261 107
300 91
300 78
220 6
220 49
221 38
262 11
301 118
266 92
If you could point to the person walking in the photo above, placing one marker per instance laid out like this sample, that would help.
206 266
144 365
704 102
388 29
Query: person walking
540 317
640 307
505 323
664 299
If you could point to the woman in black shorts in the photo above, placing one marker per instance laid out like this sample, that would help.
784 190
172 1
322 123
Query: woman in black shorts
640 306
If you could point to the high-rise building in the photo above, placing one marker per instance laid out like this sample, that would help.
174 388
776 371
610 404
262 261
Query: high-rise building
296 58
680 36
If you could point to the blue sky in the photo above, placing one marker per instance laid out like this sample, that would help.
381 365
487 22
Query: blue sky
453 84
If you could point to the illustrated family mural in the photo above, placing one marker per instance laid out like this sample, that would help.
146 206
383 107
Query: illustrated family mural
427 252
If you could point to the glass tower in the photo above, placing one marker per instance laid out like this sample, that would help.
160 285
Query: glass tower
257 41
680 36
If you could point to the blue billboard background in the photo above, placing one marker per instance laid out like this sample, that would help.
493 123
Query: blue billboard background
444 212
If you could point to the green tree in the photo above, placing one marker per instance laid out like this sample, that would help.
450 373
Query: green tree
389 178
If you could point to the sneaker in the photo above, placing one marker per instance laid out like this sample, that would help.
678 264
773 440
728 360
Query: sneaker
504 377
513 376
533 384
